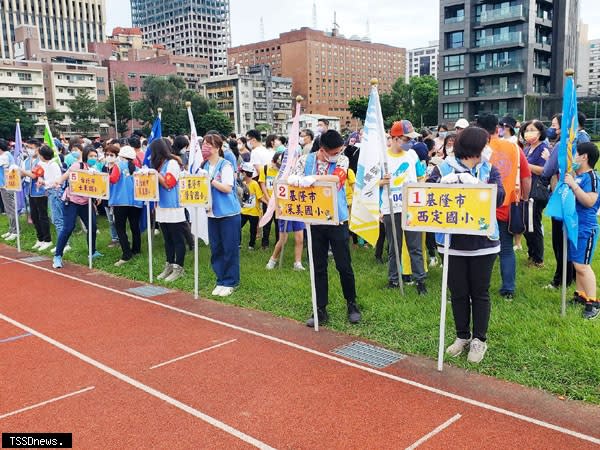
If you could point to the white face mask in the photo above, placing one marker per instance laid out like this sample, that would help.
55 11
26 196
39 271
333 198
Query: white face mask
321 129
110 159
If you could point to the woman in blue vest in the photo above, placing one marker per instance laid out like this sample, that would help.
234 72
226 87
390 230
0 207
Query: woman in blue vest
224 219
125 208
169 213
470 258
8 198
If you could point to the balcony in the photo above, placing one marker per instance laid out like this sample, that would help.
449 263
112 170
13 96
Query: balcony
506 39
501 14
495 66
542 68
455 19
512 90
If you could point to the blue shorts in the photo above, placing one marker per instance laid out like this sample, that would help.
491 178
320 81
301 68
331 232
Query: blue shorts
586 244
290 226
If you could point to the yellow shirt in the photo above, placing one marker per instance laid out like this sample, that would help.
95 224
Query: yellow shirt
350 180
269 179
252 207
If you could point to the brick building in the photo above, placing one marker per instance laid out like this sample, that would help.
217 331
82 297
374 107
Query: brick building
327 69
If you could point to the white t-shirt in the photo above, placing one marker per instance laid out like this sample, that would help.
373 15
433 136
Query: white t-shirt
171 215
404 167
4 161
52 172
261 156
226 177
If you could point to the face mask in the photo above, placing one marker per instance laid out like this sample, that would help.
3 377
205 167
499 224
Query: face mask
531 136
110 159
551 133
321 129
443 134
206 151
576 166
92 161
249 145
30 152
517 131
449 151
500 132
76 154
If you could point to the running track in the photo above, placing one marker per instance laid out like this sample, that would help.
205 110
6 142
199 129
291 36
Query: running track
122 371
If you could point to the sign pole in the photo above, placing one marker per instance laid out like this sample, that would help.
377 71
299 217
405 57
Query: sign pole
313 290
197 220
394 230
282 243
563 306
149 231
444 304
17 223
90 232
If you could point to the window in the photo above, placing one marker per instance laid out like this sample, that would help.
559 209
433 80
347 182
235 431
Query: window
453 110
131 75
132 89
100 79
24 76
454 62
26 90
455 39
454 87
101 92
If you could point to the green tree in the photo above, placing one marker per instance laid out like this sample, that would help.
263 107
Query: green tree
10 111
214 120
358 107
122 102
55 117
84 109
424 93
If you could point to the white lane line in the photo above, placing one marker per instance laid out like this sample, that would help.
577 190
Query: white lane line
370 370
52 400
192 354
429 435
143 387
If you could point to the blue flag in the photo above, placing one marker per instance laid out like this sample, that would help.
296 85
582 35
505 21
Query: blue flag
561 205
155 134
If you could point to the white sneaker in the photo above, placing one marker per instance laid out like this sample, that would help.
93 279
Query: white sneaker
217 290
477 351
271 264
298 266
433 261
176 273
166 271
458 347
5 235
120 262
37 244
44 246
156 232
66 249
225 291
11 237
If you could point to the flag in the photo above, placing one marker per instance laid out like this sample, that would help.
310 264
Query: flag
364 218
17 154
200 226
561 205
49 141
290 157
156 133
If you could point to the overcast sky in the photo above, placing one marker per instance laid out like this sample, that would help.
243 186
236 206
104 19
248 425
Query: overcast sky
389 23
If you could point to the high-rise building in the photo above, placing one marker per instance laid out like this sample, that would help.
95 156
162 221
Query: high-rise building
198 28
64 25
494 53
423 61
594 68
584 69
327 69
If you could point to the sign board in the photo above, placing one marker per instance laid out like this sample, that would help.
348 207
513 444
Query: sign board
145 186
194 190
12 180
314 205
449 208
90 184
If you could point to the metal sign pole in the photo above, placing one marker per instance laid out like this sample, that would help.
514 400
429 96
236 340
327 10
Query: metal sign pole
444 304
90 232
149 231
196 254
17 222
563 306
313 289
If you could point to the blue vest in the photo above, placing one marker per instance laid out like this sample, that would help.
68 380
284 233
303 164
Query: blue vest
223 205
311 169
121 192
482 172
11 161
35 190
168 198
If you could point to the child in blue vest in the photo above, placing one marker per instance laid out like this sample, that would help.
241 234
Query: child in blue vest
8 198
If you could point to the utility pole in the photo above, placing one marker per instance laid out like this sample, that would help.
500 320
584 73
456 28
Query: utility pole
131 107
112 82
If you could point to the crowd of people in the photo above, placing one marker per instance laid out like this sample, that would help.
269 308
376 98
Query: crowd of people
519 158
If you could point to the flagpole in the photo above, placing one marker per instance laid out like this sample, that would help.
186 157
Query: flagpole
149 231
17 207
374 83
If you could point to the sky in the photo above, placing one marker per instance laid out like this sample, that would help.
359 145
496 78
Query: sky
408 27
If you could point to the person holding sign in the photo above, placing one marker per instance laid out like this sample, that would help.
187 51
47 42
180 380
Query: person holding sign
224 220
125 208
8 198
404 167
471 258
328 164
169 213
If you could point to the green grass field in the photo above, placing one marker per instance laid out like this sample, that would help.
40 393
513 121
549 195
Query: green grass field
529 342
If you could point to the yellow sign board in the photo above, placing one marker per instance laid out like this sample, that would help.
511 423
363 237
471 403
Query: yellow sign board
145 186
12 180
449 208
89 183
315 205
194 190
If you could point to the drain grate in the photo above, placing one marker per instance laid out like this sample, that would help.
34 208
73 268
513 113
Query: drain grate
34 259
148 290
369 354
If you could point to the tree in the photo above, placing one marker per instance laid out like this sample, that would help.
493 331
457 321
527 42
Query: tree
424 93
10 111
84 109
55 117
215 120
358 107
123 108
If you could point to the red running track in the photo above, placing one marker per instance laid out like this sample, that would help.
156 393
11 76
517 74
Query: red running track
97 354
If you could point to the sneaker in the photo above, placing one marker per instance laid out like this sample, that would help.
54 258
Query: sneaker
433 262
5 235
166 272
408 280
11 237
354 315
551 286
226 291
250 248
44 246
96 254
57 262
36 245
591 311
458 347
176 273
217 290
421 288
508 296
156 232
393 285
322 315
476 351
66 249
120 262
298 266
271 264
113 244
578 299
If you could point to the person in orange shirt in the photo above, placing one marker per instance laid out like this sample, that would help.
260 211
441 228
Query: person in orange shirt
512 164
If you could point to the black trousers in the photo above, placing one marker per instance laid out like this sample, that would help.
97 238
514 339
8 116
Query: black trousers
253 228
535 239
122 215
431 244
469 284
557 247
336 236
380 241
267 229
173 235
39 217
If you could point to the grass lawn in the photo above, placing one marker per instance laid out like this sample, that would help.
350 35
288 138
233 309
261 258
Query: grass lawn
529 343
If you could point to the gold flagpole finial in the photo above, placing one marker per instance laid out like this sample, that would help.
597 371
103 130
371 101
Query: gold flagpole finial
374 81
17 120
188 104
569 72
299 98
159 110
